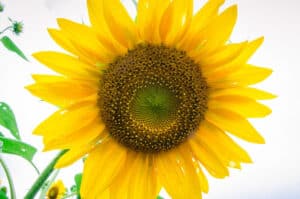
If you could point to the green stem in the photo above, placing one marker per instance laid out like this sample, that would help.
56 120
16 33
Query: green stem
9 179
5 29
43 177
69 196
35 168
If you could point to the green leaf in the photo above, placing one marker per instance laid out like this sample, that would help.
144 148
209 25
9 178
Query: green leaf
8 120
3 195
77 179
73 188
10 45
16 147
159 197
3 190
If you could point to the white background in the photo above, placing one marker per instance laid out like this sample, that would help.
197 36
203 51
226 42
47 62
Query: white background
275 173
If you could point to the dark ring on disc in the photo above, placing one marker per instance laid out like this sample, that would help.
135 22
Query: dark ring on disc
152 98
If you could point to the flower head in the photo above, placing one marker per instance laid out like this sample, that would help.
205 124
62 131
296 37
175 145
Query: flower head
56 191
151 101
17 27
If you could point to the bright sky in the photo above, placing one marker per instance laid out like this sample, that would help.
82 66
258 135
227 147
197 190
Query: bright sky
275 172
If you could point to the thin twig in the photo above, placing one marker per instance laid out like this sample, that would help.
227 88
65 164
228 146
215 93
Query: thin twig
5 29
9 179
71 194
35 168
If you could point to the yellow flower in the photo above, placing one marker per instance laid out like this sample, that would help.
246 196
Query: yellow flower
151 101
56 191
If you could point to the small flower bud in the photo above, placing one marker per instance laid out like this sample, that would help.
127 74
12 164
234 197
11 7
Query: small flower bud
17 27
1 7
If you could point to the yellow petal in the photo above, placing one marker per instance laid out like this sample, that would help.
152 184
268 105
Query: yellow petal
208 159
203 17
174 174
119 22
120 186
83 136
95 11
223 56
227 144
97 172
143 181
68 120
249 51
73 155
215 74
66 43
249 75
244 106
149 18
81 37
41 78
201 176
222 145
66 65
175 21
243 91
190 171
62 92
246 76
145 10
219 31
235 124
95 8
104 194
63 41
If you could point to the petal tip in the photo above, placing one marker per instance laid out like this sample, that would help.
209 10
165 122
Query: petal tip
259 40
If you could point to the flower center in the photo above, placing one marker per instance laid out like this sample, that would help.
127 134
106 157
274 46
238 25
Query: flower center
152 98
53 193
154 106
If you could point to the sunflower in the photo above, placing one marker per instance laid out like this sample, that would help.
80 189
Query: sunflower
56 191
152 101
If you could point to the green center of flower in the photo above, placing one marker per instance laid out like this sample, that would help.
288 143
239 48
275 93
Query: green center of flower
154 106
152 98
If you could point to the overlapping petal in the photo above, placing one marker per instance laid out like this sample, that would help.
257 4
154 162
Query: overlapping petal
234 123
62 91
149 17
120 24
175 21
176 173
99 25
97 172
244 106
67 65
201 20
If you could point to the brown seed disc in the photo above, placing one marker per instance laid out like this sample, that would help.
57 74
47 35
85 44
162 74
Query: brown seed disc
152 98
